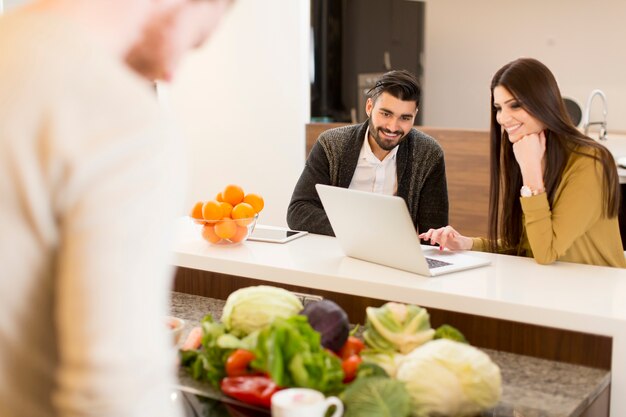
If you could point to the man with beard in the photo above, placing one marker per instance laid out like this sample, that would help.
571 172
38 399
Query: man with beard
91 179
383 155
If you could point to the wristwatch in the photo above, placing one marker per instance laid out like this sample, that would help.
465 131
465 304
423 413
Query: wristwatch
526 191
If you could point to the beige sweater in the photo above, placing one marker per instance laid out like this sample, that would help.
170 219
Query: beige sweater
574 228
89 183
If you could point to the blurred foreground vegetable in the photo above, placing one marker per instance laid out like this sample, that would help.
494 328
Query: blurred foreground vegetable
251 389
289 350
388 361
376 396
446 331
238 361
330 321
450 378
398 327
352 346
207 364
253 308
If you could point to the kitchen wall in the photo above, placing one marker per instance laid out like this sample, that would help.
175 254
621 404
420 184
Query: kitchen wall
467 41
243 101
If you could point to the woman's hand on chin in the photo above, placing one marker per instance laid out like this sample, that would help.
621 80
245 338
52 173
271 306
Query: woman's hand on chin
529 153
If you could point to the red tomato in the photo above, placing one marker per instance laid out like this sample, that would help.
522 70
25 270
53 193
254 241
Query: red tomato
251 389
237 362
353 346
350 366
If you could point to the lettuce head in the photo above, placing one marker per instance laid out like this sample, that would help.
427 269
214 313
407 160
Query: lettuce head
449 378
397 327
253 308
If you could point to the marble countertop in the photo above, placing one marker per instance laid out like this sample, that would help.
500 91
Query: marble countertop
531 387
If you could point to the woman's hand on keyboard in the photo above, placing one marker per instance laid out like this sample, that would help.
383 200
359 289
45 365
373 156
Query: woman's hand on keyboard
447 238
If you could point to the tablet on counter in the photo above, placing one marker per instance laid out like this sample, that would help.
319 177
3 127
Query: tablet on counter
275 235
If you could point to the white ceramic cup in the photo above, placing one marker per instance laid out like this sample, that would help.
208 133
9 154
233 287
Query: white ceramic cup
303 402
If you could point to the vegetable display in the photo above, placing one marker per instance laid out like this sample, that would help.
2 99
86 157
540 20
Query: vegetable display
267 342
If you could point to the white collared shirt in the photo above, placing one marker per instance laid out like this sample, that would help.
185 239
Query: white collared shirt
372 174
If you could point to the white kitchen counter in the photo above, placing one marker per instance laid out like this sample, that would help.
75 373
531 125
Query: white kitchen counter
568 296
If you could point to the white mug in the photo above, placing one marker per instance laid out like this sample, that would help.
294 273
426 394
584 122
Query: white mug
303 402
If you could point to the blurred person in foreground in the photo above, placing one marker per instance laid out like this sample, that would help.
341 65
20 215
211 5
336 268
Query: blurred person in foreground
90 179
554 192
384 155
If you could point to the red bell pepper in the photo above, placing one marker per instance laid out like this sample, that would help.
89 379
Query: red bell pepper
250 389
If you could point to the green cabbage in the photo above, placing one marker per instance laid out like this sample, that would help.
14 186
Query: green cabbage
450 378
445 331
253 308
397 327
377 396
388 361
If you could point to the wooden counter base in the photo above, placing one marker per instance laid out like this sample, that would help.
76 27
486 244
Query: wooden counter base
509 336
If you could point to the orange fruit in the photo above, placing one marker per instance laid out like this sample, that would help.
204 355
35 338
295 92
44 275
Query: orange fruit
226 228
240 235
255 200
226 209
212 210
242 211
219 197
208 233
233 194
196 211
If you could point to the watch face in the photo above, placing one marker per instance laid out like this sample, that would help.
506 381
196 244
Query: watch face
525 191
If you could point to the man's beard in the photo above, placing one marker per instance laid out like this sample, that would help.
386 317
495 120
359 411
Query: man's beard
375 132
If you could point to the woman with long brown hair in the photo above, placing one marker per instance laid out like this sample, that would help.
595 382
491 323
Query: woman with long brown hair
554 191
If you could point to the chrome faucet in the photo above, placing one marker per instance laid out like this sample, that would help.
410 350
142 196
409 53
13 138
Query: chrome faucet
602 123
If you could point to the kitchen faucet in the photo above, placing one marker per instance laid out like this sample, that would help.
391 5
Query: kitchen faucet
602 123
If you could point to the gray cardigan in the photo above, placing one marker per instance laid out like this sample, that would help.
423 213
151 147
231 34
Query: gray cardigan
333 160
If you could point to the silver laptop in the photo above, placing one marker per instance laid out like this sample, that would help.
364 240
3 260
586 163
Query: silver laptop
378 228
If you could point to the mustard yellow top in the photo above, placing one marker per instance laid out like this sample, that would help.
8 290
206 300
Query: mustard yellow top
574 229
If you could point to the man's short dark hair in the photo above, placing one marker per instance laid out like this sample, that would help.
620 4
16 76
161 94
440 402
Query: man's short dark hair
399 83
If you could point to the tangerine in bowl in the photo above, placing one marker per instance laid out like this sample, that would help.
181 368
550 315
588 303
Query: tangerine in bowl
227 231
230 217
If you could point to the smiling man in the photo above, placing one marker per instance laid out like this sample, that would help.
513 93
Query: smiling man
383 155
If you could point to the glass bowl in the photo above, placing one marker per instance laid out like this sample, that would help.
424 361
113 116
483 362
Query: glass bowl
227 231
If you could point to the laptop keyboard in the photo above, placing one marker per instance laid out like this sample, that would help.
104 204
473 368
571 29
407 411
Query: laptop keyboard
434 263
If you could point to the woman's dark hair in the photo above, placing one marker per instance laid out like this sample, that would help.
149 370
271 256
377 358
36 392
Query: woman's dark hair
399 83
535 89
